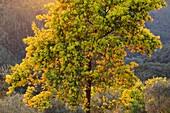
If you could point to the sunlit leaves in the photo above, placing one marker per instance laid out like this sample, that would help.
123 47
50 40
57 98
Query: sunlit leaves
84 41
133 99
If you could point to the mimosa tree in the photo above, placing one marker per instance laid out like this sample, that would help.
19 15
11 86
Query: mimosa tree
81 50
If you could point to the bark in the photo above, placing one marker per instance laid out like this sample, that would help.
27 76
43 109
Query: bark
88 95
88 90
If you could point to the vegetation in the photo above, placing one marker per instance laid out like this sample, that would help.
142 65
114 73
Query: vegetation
149 70
156 66
4 69
14 104
161 23
147 96
16 17
80 52
157 96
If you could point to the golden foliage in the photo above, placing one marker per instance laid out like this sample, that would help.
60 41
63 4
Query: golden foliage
83 45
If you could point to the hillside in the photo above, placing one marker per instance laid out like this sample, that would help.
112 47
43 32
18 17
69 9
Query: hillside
16 17
161 23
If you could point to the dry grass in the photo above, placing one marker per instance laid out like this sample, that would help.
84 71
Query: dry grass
14 104
158 98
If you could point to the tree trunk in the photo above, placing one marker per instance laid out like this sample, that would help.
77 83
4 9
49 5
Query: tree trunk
88 95
88 90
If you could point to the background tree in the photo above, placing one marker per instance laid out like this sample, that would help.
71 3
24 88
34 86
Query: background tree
81 50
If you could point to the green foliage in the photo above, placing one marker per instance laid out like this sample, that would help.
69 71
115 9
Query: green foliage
121 100
133 99
161 23
80 51
156 66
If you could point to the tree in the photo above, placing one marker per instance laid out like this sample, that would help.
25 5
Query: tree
81 50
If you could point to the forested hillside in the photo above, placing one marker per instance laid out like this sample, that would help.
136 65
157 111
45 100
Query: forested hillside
158 64
16 17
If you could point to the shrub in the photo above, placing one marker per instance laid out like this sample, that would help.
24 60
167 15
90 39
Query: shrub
157 97
133 99
14 104
4 69
121 100
3 88
57 107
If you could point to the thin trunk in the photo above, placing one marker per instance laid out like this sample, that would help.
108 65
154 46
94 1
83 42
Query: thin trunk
88 95
88 90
